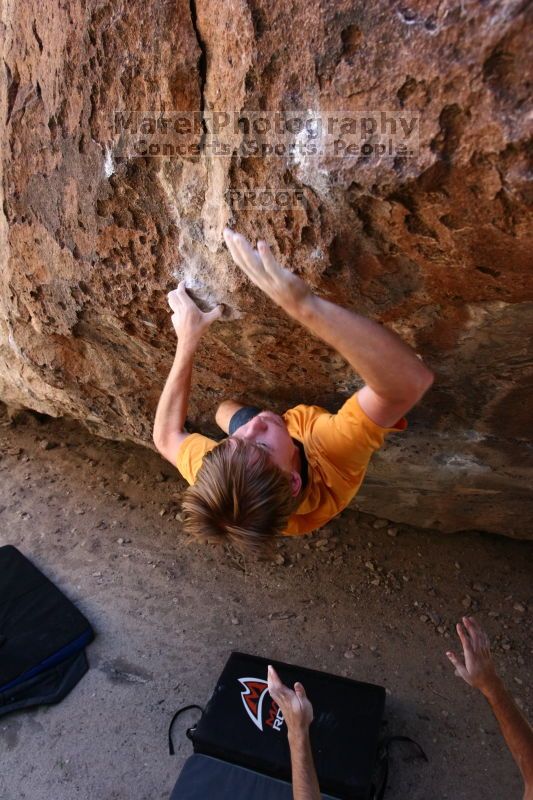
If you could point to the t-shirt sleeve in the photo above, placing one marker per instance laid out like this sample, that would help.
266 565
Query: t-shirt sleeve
348 438
190 454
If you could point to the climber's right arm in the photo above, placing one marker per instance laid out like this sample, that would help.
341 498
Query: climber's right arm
189 323
224 413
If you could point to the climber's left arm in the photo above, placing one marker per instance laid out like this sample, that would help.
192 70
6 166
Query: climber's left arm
189 323
395 378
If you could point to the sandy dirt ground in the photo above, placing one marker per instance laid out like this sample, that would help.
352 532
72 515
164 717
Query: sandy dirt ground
360 598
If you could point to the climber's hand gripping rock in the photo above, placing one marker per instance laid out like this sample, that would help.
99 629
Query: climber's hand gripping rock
188 320
278 283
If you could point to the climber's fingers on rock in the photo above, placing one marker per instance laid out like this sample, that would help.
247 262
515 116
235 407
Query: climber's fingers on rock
183 295
243 254
238 256
265 254
215 313
179 293
173 298
249 256
179 299
228 238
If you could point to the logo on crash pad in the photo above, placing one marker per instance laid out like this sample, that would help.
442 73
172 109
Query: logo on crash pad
253 697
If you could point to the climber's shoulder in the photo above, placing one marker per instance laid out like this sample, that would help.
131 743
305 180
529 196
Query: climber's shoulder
171 444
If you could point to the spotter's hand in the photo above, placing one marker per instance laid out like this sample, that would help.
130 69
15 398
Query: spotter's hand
477 668
295 707
278 283
188 320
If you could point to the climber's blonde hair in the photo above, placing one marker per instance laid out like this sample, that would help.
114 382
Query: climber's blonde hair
239 497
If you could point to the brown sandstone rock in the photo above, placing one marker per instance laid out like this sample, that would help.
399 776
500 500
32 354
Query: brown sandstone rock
438 246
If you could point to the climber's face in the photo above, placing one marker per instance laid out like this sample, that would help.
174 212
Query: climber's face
269 431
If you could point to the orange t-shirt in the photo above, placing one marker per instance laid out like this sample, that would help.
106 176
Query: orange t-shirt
338 449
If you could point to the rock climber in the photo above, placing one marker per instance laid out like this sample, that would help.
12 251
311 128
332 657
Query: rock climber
285 474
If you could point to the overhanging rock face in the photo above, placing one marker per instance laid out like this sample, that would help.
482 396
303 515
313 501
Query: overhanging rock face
438 246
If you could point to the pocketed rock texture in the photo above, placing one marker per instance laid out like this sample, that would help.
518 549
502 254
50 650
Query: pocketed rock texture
437 245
